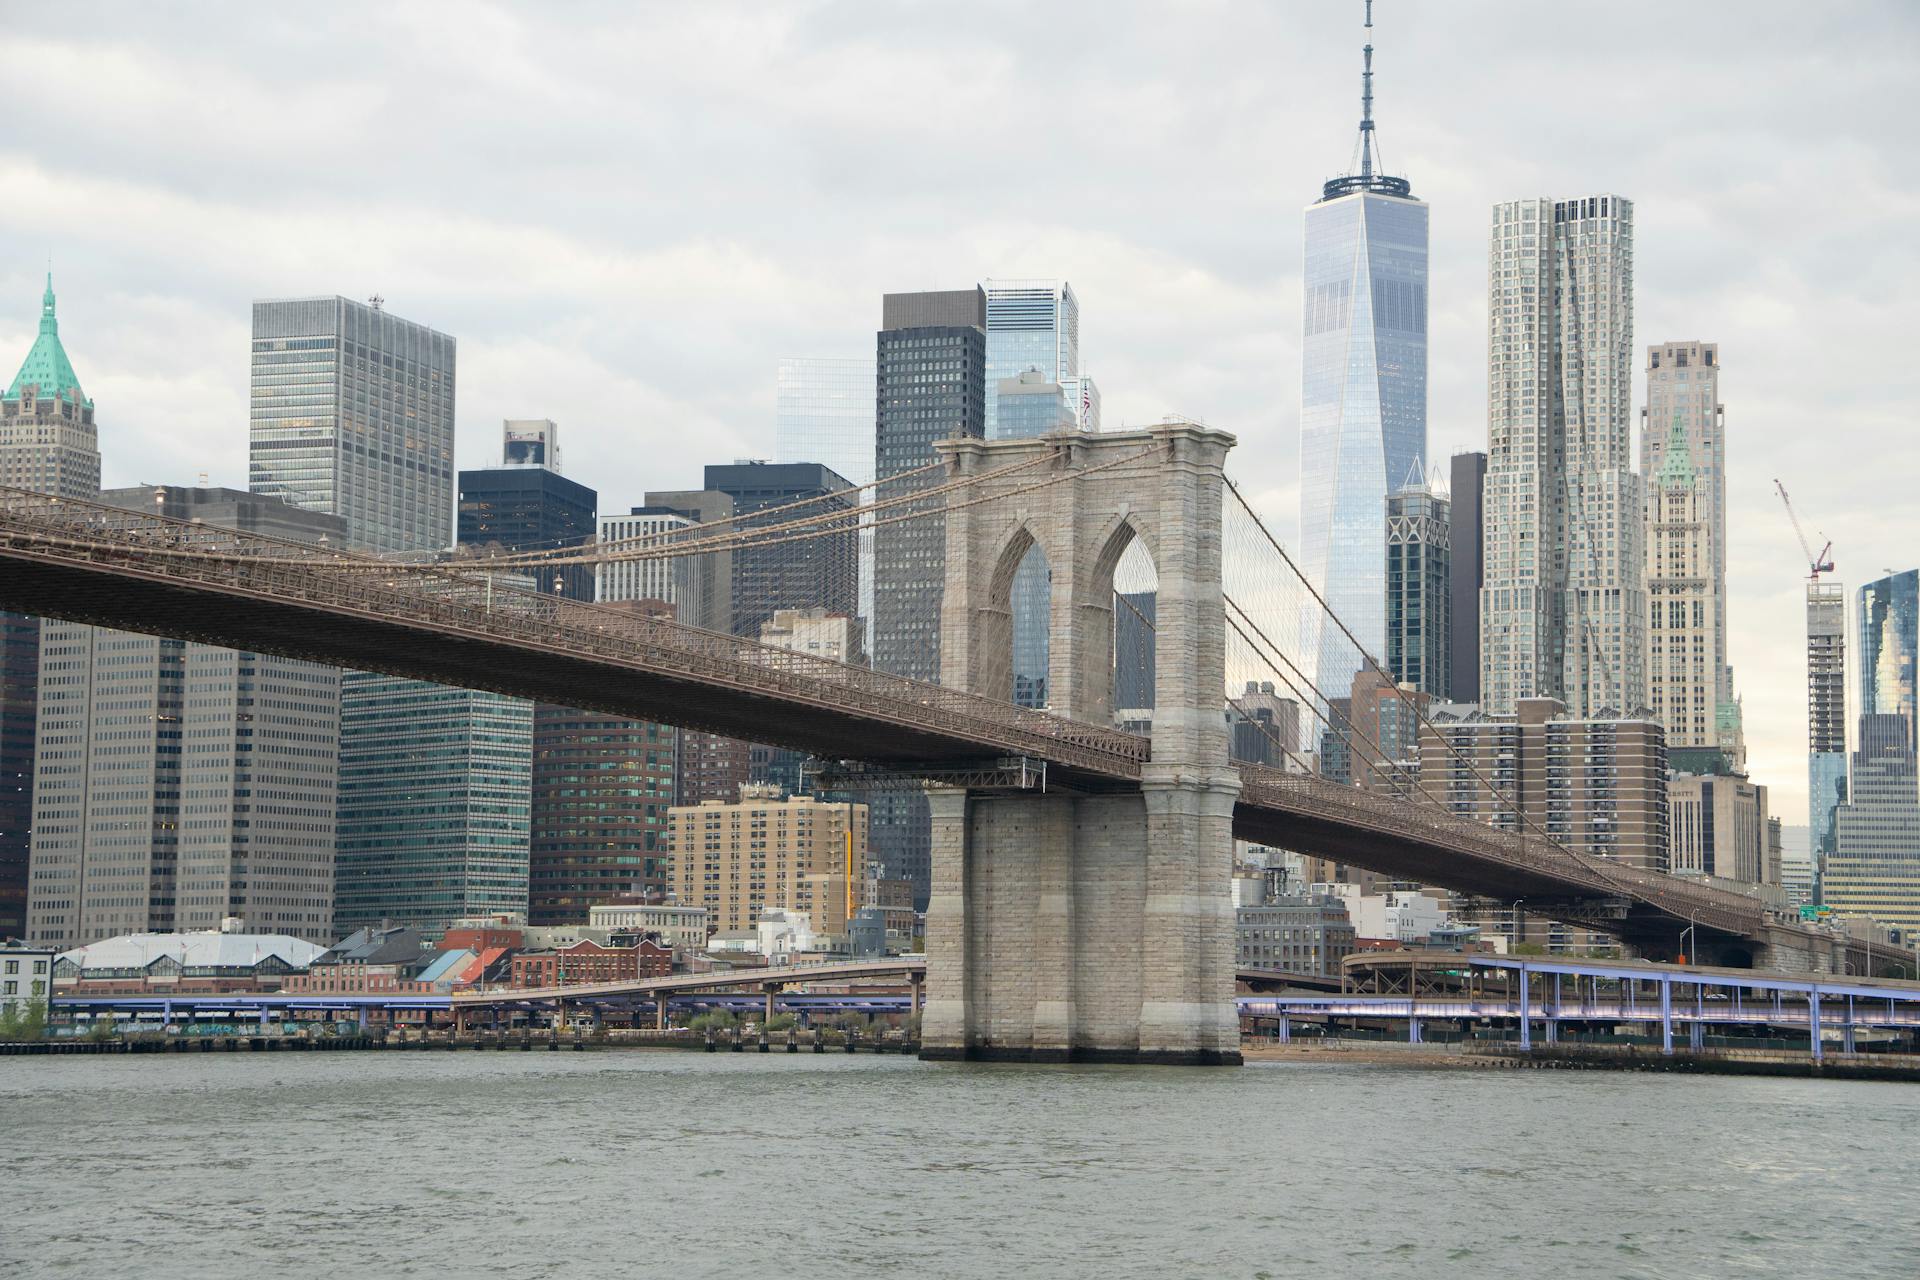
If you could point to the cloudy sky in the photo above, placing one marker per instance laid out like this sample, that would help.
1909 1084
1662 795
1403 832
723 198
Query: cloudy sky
627 213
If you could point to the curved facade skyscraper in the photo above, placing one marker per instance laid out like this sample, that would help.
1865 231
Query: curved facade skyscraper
1363 411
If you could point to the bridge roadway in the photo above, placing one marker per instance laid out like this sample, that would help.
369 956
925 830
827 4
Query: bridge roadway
87 562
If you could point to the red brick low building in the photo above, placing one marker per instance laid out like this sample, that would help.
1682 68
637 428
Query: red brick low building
586 962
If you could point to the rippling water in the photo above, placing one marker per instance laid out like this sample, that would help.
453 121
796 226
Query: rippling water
642 1163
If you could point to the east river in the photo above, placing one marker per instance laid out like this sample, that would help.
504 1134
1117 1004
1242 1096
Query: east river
637 1163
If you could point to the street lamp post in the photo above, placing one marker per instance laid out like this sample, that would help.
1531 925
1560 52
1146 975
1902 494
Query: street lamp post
1692 939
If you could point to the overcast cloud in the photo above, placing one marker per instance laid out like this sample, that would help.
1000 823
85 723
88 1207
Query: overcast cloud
626 214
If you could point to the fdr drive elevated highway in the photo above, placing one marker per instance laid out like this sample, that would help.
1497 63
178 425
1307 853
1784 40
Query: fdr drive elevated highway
130 570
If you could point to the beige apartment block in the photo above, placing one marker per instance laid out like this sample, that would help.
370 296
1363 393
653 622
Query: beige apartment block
739 859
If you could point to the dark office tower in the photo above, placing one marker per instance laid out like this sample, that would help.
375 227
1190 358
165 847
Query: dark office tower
1336 741
810 573
1418 590
1265 726
19 686
1133 655
711 767
931 385
529 509
931 357
601 790
1464 541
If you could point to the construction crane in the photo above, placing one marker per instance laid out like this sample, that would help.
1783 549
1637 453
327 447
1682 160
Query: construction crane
1816 564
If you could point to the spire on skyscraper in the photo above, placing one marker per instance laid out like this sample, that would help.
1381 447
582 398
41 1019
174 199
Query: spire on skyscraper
46 365
1677 466
1366 159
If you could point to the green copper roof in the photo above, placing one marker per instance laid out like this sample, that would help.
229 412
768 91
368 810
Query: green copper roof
1677 467
47 365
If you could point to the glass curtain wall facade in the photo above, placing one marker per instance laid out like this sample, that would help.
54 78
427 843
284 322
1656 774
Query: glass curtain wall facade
1035 325
352 414
1890 647
1419 597
1563 606
1875 867
824 413
1363 413
434 804
1874 870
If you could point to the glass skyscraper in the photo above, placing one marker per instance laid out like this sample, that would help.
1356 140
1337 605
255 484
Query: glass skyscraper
529 508
352 414
1890 647
1035 325
823 412
1419 598
813 573
1363 410
435 803
1874 869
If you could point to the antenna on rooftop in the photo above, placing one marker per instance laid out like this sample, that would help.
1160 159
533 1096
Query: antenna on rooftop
377 302
1366 101
1365 177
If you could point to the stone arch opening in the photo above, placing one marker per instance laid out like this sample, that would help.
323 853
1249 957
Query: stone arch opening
1111 614
992 626
1030 608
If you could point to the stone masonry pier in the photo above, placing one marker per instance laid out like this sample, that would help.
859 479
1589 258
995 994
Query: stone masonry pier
1090 926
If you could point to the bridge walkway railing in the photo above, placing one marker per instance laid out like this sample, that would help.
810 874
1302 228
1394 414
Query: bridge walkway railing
464 597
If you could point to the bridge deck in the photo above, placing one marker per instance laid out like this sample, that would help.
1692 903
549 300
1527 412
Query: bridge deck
87 562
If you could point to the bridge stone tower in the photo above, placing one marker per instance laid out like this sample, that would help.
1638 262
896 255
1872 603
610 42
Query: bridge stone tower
1089 926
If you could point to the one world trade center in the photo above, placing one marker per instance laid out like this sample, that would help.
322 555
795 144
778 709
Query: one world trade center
1363 411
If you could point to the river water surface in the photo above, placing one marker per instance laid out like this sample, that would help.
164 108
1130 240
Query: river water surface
689 1165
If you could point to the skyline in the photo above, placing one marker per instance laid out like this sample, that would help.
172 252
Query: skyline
764 242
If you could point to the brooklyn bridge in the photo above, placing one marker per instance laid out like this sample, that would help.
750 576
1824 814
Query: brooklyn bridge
1080 905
